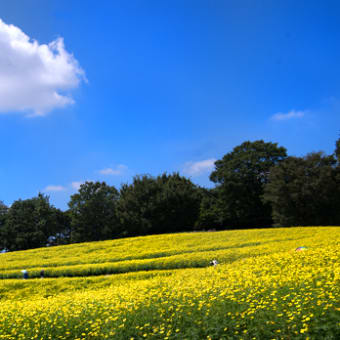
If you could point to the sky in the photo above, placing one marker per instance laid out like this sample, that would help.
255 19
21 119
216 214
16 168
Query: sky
107 90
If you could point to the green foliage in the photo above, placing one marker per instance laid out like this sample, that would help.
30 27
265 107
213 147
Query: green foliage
93 212
3 215
63 235
241 176
305 191
30 223
337 151
210 211
299 191
154 205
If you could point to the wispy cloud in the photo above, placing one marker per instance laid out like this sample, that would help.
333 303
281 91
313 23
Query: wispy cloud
287 116
199 168
54 188
70 187
117 171
35 78
76 185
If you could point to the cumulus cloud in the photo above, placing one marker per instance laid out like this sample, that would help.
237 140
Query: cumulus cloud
35 78
117 171
199 168
289 115
54 188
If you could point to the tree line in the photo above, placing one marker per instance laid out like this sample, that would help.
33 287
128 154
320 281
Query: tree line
256 185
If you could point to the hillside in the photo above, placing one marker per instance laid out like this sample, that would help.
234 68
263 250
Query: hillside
164 288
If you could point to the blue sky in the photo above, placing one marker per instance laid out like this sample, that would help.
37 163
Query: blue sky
112 89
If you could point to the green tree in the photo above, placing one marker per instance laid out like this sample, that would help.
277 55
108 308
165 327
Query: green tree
154 205
337 151
304 191
210 214
63 234
3 215
241 176
30 223
93 212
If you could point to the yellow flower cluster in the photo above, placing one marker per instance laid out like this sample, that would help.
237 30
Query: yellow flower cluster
261 289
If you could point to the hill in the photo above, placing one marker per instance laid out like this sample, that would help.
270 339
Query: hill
164 288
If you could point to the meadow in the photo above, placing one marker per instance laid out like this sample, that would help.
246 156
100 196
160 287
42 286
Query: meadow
162 287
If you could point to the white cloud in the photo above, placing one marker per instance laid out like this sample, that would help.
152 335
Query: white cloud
286 116
35 77
54 188
76 185
119 170
199 168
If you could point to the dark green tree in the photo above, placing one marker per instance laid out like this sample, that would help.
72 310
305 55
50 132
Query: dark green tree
337 157
93 212
210 214
63 235
240 177
30 223
136 205
3 215
337 151
304 191
154 205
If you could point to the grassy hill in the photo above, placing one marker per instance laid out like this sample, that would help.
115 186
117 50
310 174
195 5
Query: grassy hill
164 288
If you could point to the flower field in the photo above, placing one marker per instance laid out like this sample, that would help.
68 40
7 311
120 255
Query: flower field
162 287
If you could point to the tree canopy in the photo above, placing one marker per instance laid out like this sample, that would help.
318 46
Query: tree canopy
93 212
304 191
166 203
3 215
241 176
30 223
256 185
